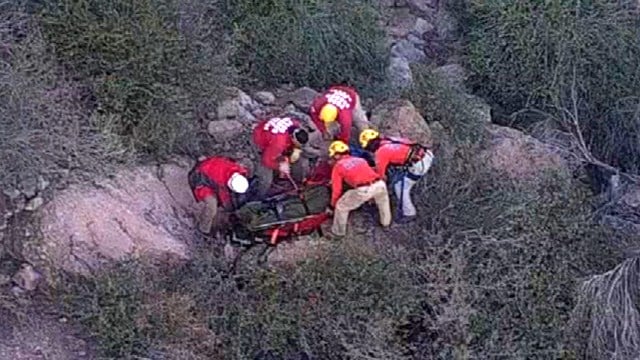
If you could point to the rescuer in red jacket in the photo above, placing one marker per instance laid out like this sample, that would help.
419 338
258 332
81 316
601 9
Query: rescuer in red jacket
336 110
215 181
365 185
282 143
412 159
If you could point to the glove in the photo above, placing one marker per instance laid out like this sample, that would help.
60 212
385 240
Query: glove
284 168
295 155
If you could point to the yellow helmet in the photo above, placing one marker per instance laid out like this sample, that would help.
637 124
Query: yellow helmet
367 135
328 113
338 147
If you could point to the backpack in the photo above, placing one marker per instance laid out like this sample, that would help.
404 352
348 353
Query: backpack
196 179
416 153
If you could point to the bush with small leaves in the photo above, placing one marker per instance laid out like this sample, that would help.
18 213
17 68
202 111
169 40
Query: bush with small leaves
45 123
155 65
576 61
310 43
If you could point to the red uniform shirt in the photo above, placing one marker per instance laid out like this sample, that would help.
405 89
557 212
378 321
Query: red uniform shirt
355 171
219 170
390 153
342 97
271 136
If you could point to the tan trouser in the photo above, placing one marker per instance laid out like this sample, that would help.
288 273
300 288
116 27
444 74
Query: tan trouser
354 198
211 218
208 213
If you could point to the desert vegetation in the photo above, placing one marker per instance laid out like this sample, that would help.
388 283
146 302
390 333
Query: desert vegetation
495 268
571 63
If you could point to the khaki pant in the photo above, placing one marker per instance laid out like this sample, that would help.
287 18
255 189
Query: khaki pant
354 198
299 171
403 187
208 214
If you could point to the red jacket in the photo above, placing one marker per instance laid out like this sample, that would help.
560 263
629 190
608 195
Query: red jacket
355 171
218 169
273 139
390 153
344 98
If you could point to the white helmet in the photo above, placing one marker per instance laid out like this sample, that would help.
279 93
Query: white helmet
238 183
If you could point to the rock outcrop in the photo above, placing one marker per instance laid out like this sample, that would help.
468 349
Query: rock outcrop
141 212
519 156
303 97
401 118
239 106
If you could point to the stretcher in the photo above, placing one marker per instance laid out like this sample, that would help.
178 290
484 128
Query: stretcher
297 212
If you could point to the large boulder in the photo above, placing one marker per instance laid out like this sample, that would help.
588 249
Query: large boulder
519 156
423 7
399 73
452 74
237 105
303 97
399 22
222 130
144 212
479 108
408 50
265 97
421 27
401 118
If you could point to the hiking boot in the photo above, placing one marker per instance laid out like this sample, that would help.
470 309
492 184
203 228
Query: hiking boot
405 219
333 237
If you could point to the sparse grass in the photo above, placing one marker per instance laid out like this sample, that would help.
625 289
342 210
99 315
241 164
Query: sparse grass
110 306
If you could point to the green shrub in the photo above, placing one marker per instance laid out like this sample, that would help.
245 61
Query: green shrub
578 57
153 64
110 306
524 274
337 306
343 305
45 127
513 251
310 43
439 101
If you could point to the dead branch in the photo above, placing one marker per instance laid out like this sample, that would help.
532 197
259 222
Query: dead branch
609 304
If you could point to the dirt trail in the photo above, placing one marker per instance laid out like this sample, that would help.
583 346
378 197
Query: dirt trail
30 331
